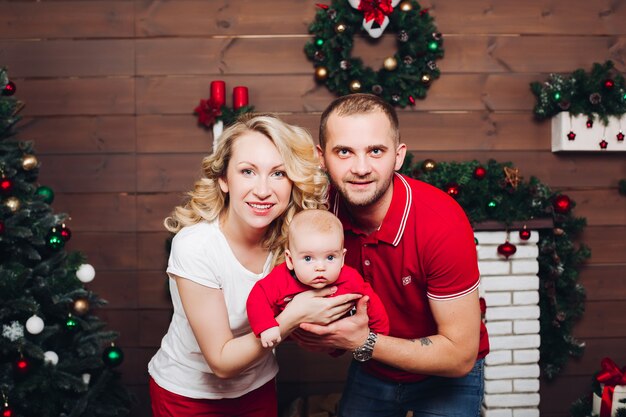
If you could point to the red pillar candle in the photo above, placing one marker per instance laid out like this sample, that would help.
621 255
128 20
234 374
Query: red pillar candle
218 93
240 97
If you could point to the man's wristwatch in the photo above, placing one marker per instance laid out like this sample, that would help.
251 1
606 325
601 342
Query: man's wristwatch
364 352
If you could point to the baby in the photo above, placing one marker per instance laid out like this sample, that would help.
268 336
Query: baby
314 258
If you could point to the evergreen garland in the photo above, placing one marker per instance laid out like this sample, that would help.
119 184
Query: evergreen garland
600 93
485 193
407 73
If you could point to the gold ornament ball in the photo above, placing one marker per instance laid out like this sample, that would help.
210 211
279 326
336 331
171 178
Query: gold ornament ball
340 28
406 6
390 63
13 203
428 165
425 79
81 306
29 162
355 86
321 73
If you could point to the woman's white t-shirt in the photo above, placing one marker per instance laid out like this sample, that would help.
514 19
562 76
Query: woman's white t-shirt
201 254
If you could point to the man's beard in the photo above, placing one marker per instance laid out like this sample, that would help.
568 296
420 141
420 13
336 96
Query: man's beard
356 199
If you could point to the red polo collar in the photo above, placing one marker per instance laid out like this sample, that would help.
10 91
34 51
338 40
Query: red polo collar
392 229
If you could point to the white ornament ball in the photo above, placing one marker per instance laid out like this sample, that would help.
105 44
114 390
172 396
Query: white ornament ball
86 378
51 357
34 324
85 273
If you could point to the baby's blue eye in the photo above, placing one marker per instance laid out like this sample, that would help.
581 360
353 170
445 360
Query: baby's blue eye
331 257
307 258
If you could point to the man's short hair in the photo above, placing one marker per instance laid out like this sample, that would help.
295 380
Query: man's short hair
352 104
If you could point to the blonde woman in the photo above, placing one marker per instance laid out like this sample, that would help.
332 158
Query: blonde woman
229 235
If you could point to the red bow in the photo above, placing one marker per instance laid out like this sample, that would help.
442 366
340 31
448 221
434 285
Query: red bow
207 111
610 376
375 9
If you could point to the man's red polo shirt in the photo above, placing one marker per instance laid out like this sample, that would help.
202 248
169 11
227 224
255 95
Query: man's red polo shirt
424 249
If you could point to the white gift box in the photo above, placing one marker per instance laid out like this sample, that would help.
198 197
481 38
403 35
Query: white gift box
587 139
618 394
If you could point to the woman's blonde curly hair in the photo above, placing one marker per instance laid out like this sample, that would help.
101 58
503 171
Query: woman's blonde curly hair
295 145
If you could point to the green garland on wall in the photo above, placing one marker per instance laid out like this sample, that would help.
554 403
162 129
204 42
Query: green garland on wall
495 191
600 92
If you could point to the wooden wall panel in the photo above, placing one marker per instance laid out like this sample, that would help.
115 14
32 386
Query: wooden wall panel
285 17
604 282
557 396
72 135
110 87
102 212
495 92
463 54
89 173
607 244
436 131
69 58
67 19
83 96
118 288
107 251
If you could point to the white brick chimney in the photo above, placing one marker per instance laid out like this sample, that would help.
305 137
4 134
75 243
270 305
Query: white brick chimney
510 288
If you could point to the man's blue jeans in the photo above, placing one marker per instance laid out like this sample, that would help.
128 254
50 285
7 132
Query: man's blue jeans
368 396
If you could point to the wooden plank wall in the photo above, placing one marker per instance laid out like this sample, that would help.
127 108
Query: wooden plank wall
110 86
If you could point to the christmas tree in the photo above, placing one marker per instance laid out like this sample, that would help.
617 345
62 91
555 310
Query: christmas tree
56 358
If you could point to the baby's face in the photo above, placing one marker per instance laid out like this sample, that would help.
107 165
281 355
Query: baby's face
316 258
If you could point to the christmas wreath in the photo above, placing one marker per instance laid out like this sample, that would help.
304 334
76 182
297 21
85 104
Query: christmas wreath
601 93
496 191
404 77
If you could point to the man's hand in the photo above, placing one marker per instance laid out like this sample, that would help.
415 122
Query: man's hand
347 333
270 337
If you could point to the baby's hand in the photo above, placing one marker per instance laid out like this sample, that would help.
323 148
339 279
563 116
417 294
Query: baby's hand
270 337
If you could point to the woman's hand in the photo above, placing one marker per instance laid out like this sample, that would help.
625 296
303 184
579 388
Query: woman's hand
314 306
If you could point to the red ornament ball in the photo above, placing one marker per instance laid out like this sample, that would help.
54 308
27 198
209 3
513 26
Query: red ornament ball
1 227
507 249
22 366
562 204
6 186
66 233
7 411
609 84
452 189
9 89
480 172
524 234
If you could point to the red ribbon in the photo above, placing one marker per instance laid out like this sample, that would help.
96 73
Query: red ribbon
610 376
375 9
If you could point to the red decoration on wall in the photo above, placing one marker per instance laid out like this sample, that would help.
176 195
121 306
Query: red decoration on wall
218 93
507 249
240 97
6 185
9 89
524 234
375 10
452 189
571 135
480 172
562 204
22 366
